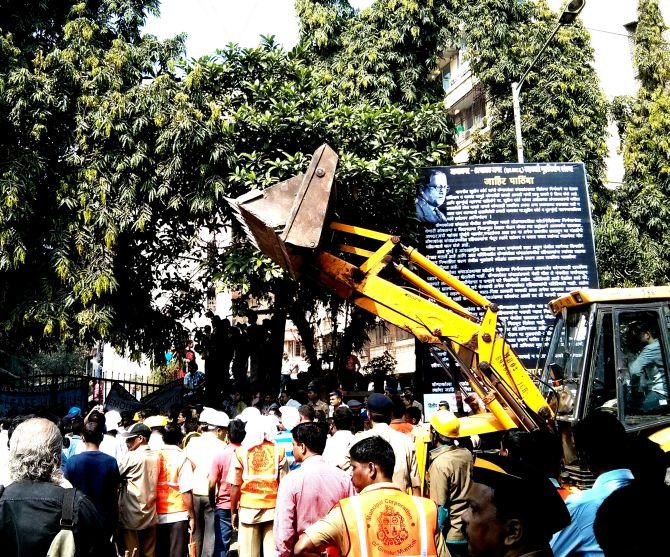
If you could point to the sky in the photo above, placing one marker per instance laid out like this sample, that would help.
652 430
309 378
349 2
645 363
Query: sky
211 24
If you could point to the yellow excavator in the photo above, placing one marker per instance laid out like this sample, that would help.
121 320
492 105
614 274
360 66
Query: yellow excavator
608 349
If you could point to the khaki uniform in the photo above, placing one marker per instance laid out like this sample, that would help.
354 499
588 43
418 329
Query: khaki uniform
450 478
137 500
320 405
380 504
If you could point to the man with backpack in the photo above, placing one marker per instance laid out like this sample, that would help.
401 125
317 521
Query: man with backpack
37 515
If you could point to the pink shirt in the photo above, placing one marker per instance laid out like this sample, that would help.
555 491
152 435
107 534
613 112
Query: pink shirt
305 496
219 473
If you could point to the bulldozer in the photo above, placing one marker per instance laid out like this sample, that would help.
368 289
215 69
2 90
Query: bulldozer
608 350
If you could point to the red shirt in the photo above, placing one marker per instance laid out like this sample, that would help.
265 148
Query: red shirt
219 472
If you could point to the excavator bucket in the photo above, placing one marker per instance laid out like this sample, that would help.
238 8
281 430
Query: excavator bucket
286 221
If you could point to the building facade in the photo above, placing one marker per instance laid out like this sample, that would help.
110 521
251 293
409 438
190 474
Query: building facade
611 24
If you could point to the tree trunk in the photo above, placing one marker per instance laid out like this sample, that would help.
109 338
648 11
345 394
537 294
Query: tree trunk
306 332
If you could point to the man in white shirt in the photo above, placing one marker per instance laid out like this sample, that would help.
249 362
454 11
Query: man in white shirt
341 439
201 451
335 399
406 471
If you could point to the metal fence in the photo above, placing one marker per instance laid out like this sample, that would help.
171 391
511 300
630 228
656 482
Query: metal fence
98 385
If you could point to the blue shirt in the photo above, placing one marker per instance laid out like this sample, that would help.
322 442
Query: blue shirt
96 474
649 366
578 538
284 440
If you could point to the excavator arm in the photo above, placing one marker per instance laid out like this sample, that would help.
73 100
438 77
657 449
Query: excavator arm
376 272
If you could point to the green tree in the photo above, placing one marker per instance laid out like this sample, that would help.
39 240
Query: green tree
119 157
642 214
564 112
62 226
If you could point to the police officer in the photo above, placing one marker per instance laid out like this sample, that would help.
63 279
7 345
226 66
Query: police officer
382 519
450 478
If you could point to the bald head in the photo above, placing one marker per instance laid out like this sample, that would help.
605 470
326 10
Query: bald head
35 451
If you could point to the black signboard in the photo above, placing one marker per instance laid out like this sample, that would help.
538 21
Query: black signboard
167 395
118 398
519 234
75 393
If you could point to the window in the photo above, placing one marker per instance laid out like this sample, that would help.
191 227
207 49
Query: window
642 366
565 359
446 77
603 391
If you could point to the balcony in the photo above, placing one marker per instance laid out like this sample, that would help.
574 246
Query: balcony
460 88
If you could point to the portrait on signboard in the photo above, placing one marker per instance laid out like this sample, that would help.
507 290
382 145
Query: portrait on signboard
431 195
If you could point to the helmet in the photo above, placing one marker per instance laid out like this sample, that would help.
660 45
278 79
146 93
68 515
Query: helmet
446 423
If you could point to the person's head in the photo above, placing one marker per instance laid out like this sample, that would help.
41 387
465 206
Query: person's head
284 398
436 189
335 398
183 416
511 513
137 436
290 417
648 462
408 396
600 440
312 392
631 521
191 425
237 396
214 421
539 449
126 419
372 461
308 440
413 415
380 408
343 419
285 356
76 425
398 410
307 413
644 332
92 433
236 431
444 427
172 434
268 399
35 451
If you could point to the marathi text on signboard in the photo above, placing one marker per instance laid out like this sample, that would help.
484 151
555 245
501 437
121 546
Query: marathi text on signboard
520 234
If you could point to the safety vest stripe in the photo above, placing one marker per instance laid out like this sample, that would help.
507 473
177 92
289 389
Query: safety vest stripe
360 523
423 527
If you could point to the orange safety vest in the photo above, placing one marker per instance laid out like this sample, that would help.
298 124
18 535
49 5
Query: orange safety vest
168 496
387 522
260 475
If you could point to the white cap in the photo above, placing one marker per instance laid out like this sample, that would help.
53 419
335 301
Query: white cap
112 420
248 413
214 418
289 417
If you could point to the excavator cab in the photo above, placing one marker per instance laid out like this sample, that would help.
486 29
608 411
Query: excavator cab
610 350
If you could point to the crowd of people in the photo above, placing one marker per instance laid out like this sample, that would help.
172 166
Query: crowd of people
318 476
